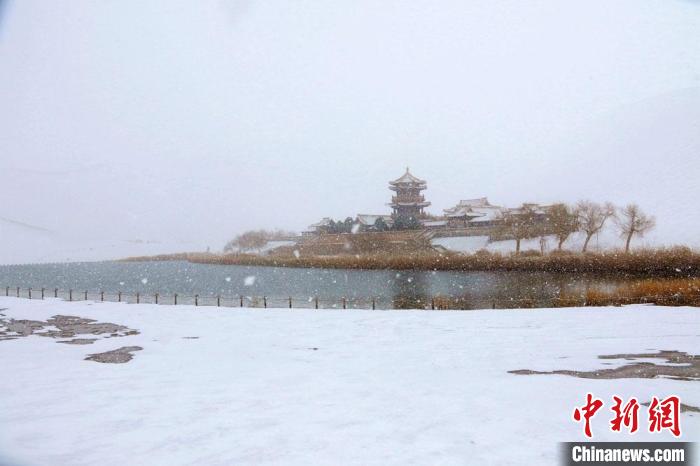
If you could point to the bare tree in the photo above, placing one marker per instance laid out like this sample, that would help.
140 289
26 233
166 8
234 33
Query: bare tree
562 221
256 239
248 241
592 217
518 224
632 221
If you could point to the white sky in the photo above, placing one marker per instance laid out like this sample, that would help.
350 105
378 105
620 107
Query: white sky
196 120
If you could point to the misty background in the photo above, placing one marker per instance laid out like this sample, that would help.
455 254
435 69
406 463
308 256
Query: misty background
177 124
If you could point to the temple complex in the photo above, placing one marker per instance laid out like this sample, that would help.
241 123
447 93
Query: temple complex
469 216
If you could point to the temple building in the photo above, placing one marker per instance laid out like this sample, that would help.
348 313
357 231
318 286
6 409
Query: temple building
473 212
408 201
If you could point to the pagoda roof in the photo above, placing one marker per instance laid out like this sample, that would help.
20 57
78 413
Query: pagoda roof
407 178
416 203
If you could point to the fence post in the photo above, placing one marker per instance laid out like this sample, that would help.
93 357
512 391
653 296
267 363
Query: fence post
55 292
42 293
102 296
290 302
119 297
29 292
344 303
316 302
196 300
493 305
7 291
70 295
85 295
373 304
265 301
18 291
156 298
432 303
138 298
175 299
241 298
218 300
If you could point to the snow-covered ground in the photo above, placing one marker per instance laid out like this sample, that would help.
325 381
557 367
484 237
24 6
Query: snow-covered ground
326 387
470 244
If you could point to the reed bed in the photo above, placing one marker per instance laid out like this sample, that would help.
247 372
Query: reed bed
665 292
664 262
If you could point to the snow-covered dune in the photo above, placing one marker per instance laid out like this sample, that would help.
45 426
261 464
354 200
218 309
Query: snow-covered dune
28 244
245 386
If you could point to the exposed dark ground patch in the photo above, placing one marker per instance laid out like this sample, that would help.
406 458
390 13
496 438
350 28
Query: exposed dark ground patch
688 368
79 341
61 327
689 409
64 327
118 356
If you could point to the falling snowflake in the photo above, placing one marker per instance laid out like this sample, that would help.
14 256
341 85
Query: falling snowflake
296 253
144 280
249 280
228 279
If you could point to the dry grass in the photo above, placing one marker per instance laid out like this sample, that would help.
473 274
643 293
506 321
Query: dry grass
666 292
671 262
201 257
674 262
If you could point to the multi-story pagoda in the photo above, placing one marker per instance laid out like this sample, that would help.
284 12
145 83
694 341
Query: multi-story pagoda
408 202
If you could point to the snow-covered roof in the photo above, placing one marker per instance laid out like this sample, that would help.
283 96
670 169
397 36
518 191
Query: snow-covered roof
477 202
462 212
532 206
407 178
370 219
417 203
488 214
480 204
324 222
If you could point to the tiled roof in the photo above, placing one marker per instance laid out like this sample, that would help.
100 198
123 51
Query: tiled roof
407 178
324 222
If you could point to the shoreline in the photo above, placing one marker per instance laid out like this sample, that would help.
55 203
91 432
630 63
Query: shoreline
676 262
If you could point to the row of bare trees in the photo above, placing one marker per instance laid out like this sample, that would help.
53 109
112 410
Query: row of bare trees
562 220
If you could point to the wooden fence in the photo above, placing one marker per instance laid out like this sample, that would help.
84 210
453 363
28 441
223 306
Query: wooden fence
290 302
316 302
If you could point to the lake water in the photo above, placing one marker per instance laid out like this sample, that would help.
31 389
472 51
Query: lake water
388 289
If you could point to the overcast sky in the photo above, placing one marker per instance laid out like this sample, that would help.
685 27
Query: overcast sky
195 120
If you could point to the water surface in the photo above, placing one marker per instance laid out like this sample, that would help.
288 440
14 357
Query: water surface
388 289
